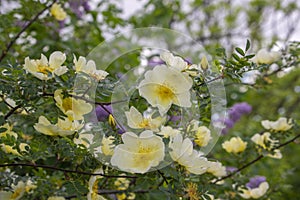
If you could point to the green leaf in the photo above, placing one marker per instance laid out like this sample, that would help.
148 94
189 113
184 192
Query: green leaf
236 57
240 51
2 130
247 45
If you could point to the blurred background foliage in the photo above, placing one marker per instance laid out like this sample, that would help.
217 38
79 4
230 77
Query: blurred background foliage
212 23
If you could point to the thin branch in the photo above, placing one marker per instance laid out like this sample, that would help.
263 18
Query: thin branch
212 80
12 111
163 176
255 160
120 191
63 170
12 42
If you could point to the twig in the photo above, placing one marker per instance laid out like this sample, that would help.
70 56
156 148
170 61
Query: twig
120 191
12 111
255 160
12 42
63 170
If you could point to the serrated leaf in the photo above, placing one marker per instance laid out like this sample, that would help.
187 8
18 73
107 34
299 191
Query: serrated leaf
240 51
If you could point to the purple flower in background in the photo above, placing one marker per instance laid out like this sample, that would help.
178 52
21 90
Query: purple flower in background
234 114
231 169
239 109
255 182
79 6
102 112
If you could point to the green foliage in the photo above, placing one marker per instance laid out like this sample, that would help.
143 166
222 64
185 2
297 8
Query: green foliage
58 166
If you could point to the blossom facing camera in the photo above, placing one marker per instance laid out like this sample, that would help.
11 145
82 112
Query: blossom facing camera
58 12
165 86
44 69
234 145
282 124
264 56
138 153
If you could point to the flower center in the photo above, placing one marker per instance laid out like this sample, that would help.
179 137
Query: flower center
67 104
145 123
165 92
45 69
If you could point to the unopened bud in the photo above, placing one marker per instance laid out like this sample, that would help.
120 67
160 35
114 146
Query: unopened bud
112 121
204 63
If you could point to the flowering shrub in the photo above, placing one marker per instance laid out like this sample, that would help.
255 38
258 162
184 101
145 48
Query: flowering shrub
113 125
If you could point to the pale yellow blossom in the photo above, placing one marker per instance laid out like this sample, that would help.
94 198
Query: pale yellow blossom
168 131
164 86
10 149
282 124
216 169
73 108
86 139
93 186
234 145
263 140
81 65
107 146
138 153
23 147
44 70
62 128
136 120
56 198
183 153
58 12
201 134
264 56
18 190
8 131
254 193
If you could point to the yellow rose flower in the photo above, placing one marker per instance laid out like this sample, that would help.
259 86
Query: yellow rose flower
201 134
282 124
107 147
58 12
136 120
138 153
234 145
9 149
216 169
8 131
264 56
44 69
62 128
89 68
93 186
183 153
254 193
164 86
73 108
